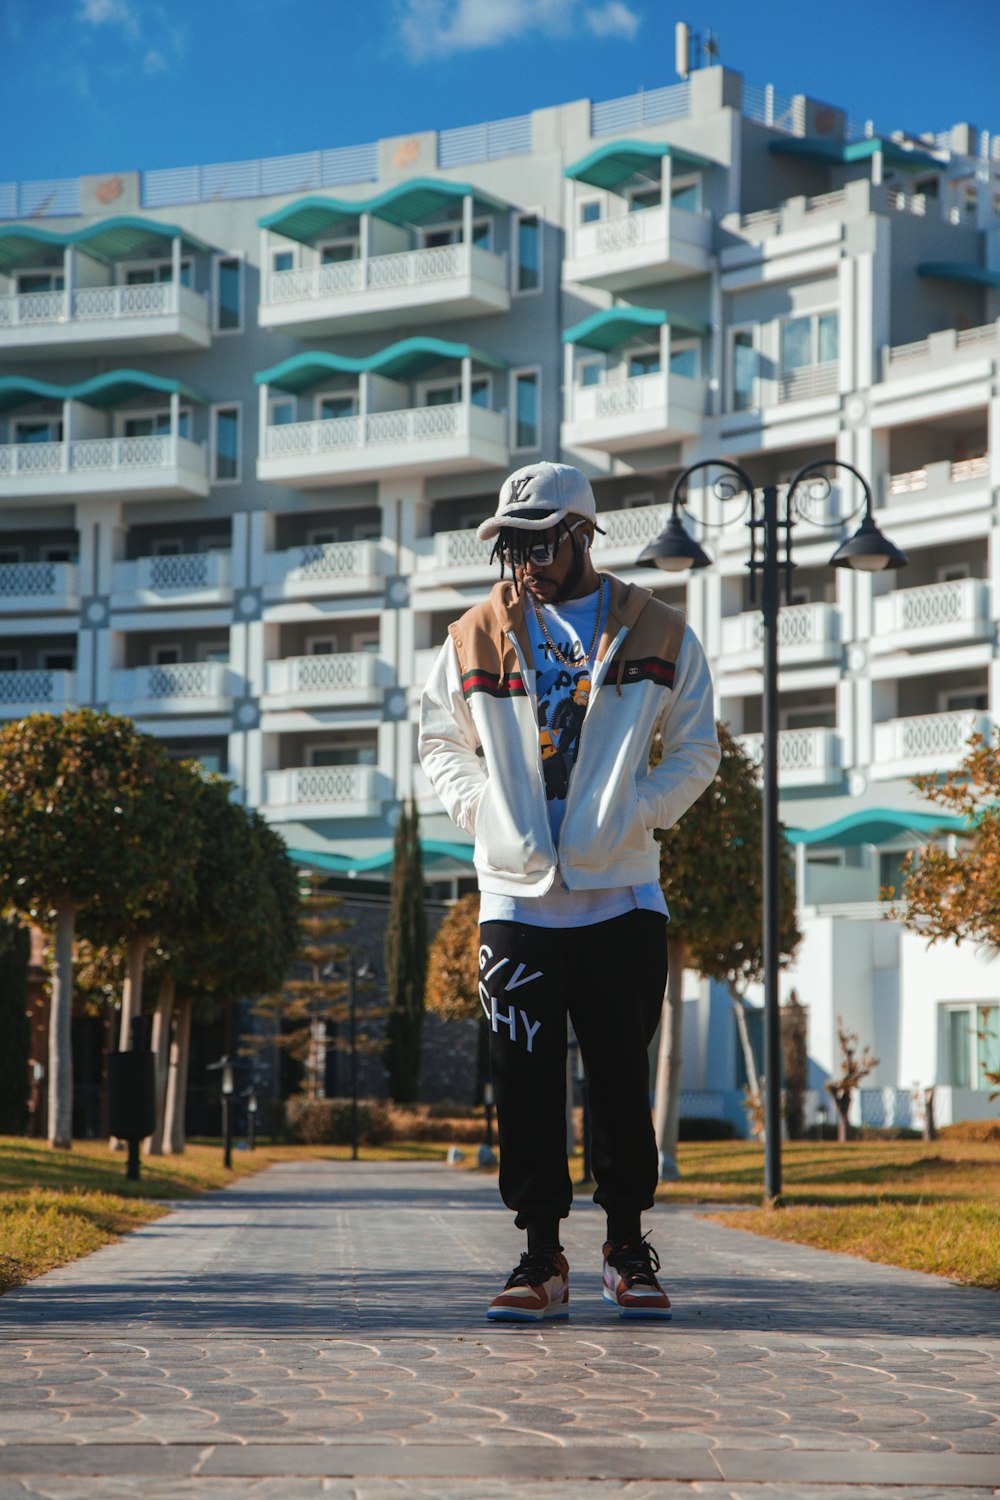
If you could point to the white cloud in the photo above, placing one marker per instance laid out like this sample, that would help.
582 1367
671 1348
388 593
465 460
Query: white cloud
110 12
154 62
612 19
439 28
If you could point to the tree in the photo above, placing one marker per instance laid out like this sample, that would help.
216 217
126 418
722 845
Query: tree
952 896
854 1068
452 990
83 803
15 1029
406 958
795 1063
238 944
710 872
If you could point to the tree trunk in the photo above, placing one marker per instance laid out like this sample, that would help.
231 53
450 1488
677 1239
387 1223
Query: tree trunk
61 1031
843 1103
132 989
930 1123
749 1061
667 1097
180 1051
162 1020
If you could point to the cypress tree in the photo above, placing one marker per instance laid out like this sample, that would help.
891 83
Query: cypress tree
15 1029
406 959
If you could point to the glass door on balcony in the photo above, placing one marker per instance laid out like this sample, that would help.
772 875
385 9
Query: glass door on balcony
155 424
451 234
449 393
40 281
156 271
345 405
335 252
38 430
643 362
650 195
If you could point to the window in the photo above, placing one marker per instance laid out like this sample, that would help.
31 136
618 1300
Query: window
336 251
164 656
170 546
808 718
808 341
38 430
685 359
685 192
213 653
952 572
528 240
156 424
347 753
648 196
961 700
156 271
644 362
526 408
10 661
589 210
743 370
590 372
365 640
449 393
973 1045
451 234
225 443
228 295
13 555
343 404
60 552
321 645
40 281
281 413
282 260
59 661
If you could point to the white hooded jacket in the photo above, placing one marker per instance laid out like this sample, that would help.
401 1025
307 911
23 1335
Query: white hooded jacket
479 744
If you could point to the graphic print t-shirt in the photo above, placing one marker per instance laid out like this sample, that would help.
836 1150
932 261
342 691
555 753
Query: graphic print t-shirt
563 694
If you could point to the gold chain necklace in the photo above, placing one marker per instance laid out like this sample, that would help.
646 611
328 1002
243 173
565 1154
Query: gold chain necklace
566 660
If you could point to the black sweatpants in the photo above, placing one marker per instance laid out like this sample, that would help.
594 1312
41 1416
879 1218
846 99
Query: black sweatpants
609 978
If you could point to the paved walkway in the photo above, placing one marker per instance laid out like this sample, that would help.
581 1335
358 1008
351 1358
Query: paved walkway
318 1330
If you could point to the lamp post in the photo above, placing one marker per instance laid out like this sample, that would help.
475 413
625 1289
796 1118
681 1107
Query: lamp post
227 1087
357 967
251 1098
868 551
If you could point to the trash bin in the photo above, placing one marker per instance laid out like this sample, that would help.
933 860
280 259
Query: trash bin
131 1094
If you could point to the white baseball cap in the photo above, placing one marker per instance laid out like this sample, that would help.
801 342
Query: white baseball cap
539 496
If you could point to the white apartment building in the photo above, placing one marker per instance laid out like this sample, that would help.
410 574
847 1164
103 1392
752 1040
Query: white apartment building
251 413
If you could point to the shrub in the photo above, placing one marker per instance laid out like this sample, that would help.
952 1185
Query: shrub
972 1130
435 1122
327 1122
692 1128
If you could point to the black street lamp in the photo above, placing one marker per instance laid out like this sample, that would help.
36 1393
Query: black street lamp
868 551
227 1087
356 966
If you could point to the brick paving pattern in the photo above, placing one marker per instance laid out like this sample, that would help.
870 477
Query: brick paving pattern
318 1330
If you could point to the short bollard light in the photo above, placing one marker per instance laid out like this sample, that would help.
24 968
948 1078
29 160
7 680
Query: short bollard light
487 1156
251 1097
227 1087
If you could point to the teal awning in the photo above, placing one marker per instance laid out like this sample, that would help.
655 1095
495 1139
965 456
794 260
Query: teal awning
611 165
407 203
433 851
110 239
616 325
842 153
403 361
102 391
957 270
877 825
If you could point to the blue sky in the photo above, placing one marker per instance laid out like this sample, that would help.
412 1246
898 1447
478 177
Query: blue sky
111 85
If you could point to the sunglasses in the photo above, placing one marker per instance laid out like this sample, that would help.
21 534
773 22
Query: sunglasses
538 553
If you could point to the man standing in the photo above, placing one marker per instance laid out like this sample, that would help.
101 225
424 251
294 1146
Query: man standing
536 727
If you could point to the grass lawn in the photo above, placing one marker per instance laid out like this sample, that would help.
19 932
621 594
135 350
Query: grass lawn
925 1206
930 1207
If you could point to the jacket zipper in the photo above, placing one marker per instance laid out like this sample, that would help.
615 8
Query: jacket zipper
533 700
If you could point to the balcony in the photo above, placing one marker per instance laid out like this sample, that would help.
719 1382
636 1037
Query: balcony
143 468
153 318
941 354
807 634
322 570
806 757
174 578
641 248
420 440
193 687
341 680
646 411
325 792
37 587
936 615
929 742
416 286
36 692
919 493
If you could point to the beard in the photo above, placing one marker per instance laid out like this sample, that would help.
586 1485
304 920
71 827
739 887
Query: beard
574 573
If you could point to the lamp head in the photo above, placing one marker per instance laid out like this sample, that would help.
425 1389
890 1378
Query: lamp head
673 550
868 551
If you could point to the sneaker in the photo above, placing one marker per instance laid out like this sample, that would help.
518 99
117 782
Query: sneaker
630 1281
537 1288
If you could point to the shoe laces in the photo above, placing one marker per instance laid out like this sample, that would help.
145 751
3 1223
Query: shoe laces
638 1262
535 1267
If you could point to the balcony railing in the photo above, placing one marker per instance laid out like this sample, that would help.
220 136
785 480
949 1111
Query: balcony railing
813 380
173 573
102 455
940 346
188 680
43 583
937 476
409 268
333 786
344 673
322 563
93 303
23 691
806 757
644 235
935 613
806 631
639 411
930 740
428 438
